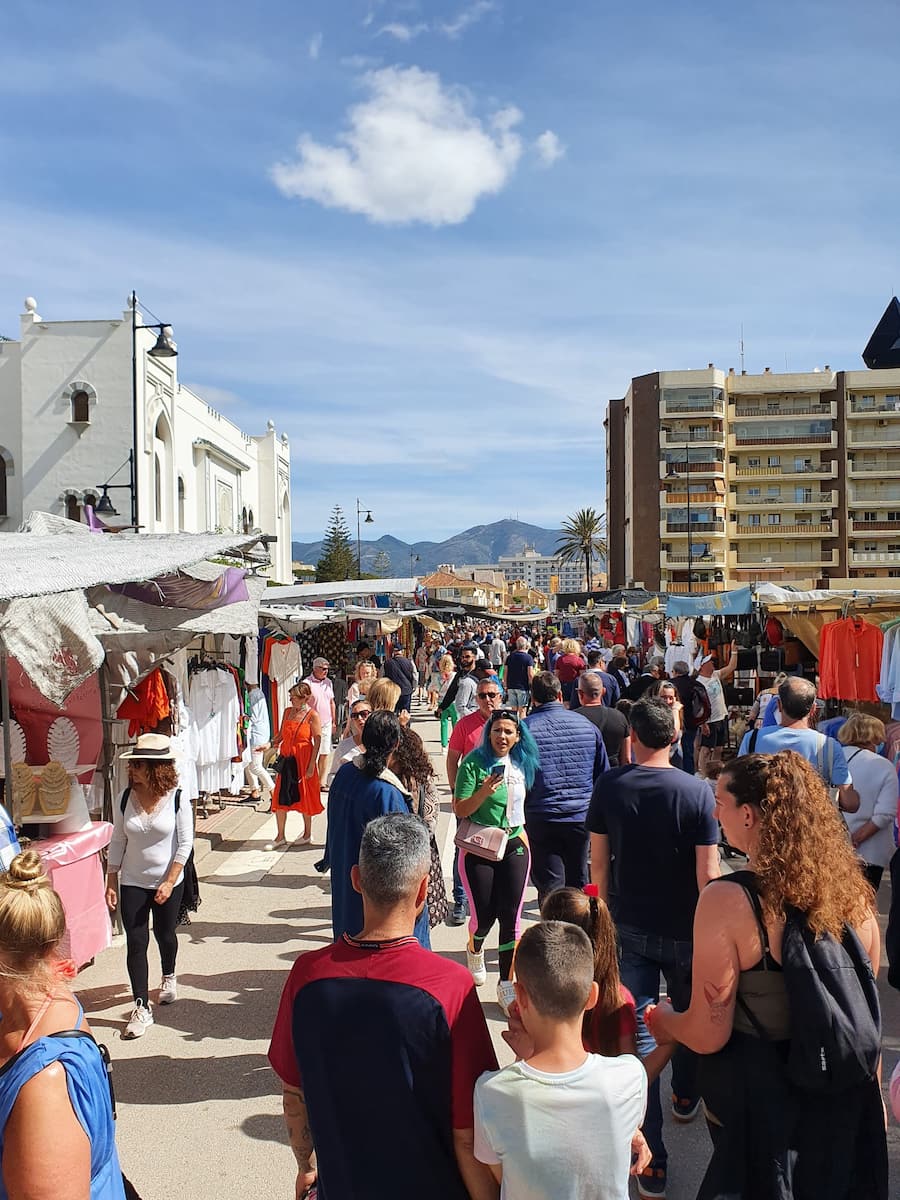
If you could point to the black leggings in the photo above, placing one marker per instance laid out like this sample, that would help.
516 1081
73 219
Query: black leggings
496 892
136 905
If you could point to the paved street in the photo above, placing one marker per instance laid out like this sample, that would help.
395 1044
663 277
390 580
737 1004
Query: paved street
199 1107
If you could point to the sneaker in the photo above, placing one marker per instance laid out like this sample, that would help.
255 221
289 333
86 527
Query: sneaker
168 990
140 1021
684 1110
458 914
475 963
506 995
651 1183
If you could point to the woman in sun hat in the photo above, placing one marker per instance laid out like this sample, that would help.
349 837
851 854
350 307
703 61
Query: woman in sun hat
153 835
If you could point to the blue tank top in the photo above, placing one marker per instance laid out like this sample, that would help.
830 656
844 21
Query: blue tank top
89 1095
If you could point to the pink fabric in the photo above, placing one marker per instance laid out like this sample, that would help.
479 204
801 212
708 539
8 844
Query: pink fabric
76 871
35 713
895 1092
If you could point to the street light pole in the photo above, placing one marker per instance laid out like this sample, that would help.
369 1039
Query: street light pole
687 472
164 348
369 520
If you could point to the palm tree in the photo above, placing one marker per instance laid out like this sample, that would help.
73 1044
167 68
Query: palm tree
582 537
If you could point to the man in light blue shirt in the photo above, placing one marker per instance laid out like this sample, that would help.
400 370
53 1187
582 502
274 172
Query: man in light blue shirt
796 700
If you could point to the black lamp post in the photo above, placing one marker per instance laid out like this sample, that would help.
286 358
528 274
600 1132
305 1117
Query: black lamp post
369 521
413 558
105 506
164 348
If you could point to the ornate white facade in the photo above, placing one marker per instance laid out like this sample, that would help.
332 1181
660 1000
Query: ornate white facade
66 428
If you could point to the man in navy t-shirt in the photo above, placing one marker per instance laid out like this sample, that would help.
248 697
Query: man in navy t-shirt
519 674
378 1044
654 846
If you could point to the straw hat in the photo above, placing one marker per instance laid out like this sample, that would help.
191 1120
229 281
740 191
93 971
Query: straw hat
154 747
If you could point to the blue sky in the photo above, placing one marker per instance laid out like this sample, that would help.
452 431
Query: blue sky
431 239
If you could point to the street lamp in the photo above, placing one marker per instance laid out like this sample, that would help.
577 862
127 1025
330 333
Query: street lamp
164 348
413 558
104 504
369 521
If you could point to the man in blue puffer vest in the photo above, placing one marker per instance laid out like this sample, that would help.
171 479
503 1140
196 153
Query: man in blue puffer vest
572 757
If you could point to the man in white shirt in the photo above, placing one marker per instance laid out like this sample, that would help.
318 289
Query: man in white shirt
323 703
714 733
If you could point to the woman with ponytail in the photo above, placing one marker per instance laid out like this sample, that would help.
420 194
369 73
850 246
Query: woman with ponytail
57 1137
770 1137
362 790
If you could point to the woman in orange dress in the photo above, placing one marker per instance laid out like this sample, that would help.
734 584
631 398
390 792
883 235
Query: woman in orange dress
299 739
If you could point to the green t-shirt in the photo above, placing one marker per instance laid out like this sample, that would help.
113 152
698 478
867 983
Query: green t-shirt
469 778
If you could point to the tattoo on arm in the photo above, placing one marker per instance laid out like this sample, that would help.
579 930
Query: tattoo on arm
297 1122
718 1004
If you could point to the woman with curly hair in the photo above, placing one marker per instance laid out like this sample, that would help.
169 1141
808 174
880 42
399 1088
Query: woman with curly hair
413 767
771 1139
153 835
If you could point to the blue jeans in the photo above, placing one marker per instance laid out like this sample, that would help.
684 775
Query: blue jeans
643 957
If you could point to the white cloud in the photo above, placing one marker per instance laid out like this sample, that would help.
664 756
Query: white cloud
468 16
414 151
403 33
549 148
315 45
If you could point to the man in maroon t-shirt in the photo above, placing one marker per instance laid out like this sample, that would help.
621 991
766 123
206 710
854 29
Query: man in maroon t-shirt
467 733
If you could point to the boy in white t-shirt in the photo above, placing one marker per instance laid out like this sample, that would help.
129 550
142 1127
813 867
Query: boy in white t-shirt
558 1124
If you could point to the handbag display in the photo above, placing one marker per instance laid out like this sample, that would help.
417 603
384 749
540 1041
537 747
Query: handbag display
484 841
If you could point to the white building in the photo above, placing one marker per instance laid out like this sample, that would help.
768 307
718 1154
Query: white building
539 571
75 407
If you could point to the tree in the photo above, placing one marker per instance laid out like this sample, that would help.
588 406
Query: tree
337 560
381 565
582 537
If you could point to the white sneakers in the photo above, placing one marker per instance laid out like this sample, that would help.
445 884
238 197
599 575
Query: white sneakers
140 1021
475 963
168 990
506 995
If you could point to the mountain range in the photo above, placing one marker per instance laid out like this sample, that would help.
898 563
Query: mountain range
480 544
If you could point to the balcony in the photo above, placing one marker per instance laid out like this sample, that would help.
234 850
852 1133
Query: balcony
815 470
681 467
698 561
881 404
807 500
889 467
776 560
687 437
889 558
680 499
695 405
700 588
869 436
822 529
823 411
737 440
697 528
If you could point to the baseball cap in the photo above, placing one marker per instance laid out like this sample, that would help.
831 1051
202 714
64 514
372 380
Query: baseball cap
707 658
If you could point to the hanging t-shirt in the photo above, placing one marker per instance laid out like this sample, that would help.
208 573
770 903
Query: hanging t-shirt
849 660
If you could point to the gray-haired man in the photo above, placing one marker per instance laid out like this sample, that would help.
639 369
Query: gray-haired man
377 1037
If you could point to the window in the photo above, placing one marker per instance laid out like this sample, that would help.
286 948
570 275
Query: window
894 547
754 493
754 519
81 407
869 547
754 462
870 516
773 518
73 509
774 460
773 490
893 516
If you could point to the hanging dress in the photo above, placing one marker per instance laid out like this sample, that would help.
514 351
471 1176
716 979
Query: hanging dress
296 743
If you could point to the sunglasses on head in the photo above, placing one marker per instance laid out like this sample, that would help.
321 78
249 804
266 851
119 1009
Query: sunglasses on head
505 714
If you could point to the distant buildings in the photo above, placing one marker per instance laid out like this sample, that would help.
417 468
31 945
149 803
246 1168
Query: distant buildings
75 410
547 573
716 480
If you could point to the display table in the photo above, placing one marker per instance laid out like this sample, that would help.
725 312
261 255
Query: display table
75 868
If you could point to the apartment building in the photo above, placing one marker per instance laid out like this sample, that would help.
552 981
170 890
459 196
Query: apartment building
545 572
719 479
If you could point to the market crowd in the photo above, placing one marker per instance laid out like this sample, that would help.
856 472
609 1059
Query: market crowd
738 864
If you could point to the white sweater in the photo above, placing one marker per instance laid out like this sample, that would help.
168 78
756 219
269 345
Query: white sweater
143 856
876 781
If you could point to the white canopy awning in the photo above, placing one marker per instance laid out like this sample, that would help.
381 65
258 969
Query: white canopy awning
301 593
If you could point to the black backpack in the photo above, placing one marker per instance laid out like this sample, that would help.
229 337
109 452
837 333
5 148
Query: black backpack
700 705
834 1013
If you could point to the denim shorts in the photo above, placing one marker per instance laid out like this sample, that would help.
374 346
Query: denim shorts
517 698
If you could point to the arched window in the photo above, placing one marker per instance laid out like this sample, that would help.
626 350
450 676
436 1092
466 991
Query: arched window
251 524
73 508
157 486
91 499
181 503
245 528
81 407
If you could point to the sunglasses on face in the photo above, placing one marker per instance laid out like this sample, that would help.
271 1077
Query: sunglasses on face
487 695
361 715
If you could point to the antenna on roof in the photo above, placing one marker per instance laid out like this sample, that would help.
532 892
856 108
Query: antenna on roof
742 347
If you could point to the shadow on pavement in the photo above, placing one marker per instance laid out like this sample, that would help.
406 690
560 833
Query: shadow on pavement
157 1080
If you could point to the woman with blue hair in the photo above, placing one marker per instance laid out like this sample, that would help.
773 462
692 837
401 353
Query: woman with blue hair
490 790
